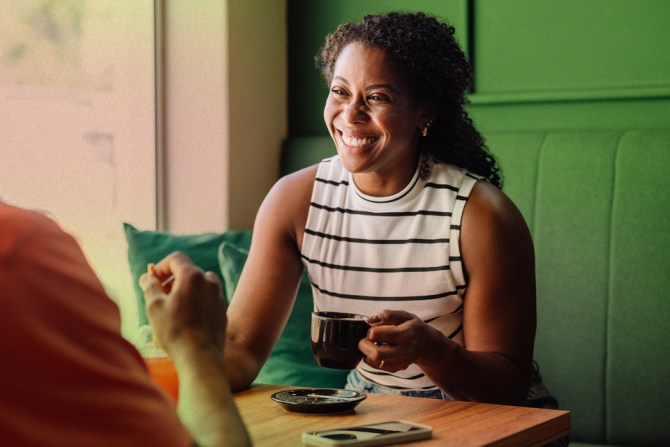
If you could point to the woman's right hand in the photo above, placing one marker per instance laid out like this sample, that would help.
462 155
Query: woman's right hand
187 311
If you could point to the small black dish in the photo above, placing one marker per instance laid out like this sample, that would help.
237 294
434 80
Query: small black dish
318 400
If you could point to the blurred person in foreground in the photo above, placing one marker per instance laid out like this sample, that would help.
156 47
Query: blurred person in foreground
68 376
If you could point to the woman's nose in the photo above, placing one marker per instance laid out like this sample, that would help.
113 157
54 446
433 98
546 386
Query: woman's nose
355 111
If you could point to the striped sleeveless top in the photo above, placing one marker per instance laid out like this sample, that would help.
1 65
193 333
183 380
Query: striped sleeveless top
365 254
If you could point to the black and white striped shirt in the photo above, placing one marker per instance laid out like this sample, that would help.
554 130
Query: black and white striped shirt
365 254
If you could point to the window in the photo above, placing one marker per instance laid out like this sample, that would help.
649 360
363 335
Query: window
77 122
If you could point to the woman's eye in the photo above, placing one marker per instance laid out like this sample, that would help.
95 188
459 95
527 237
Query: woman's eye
378 97
338 91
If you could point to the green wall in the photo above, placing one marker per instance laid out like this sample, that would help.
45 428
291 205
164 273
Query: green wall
539 64
573 46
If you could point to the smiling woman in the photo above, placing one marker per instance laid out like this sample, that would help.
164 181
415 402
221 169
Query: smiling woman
406 224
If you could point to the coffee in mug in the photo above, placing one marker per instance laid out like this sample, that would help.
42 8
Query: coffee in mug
335 337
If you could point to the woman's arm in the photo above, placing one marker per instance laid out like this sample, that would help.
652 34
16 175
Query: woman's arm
498 313
269 282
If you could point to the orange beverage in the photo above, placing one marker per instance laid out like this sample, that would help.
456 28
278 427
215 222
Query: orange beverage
164 374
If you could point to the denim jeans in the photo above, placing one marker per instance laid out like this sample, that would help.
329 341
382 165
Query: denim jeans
358 383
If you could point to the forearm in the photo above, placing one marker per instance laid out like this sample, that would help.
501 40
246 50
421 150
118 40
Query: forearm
206 405
474 376
242 366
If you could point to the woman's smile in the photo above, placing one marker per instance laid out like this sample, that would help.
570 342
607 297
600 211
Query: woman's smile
357 142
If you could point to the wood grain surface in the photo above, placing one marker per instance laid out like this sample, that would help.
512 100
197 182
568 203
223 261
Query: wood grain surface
454 423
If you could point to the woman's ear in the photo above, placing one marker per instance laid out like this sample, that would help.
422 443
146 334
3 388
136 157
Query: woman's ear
428 113
427 116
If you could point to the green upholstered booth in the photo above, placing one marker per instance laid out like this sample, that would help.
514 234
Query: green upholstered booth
598 205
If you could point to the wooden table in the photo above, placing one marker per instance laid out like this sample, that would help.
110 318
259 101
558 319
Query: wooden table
454 423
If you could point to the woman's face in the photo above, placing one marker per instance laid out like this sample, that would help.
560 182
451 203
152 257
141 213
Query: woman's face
374 120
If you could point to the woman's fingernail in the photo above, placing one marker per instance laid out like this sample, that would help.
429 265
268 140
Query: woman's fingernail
375 319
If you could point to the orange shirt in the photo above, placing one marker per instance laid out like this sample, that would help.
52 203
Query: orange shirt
67 376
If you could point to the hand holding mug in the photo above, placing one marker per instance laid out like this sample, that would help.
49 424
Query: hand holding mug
396 339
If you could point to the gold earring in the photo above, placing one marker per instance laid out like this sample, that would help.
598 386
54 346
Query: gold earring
424 131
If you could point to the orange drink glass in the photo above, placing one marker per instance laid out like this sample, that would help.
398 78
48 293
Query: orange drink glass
162 371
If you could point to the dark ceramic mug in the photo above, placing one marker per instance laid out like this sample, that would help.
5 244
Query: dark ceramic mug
335 337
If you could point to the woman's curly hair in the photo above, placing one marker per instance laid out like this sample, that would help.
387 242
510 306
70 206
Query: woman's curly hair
426 52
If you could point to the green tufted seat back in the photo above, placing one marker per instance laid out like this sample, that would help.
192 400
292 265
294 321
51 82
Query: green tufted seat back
598 204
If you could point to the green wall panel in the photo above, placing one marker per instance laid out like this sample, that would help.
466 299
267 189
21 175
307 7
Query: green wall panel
570 45
309 21
603 114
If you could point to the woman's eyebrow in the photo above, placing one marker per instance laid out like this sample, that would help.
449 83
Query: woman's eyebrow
340 78
370 87
386 86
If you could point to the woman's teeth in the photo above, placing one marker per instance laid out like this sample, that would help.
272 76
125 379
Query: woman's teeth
357 142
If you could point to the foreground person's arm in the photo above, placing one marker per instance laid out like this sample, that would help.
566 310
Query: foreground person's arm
206 405
189 321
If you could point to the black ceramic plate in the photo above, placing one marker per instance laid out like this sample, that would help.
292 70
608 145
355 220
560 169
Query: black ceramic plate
318 400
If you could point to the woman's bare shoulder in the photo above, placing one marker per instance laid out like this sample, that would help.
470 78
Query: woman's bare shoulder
286 206
489 206
493 228
295 189
302 179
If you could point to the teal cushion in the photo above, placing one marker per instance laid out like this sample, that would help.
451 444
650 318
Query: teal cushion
146 247
291 361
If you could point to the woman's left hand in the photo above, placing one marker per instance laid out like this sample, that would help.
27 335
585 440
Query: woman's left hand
397 339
